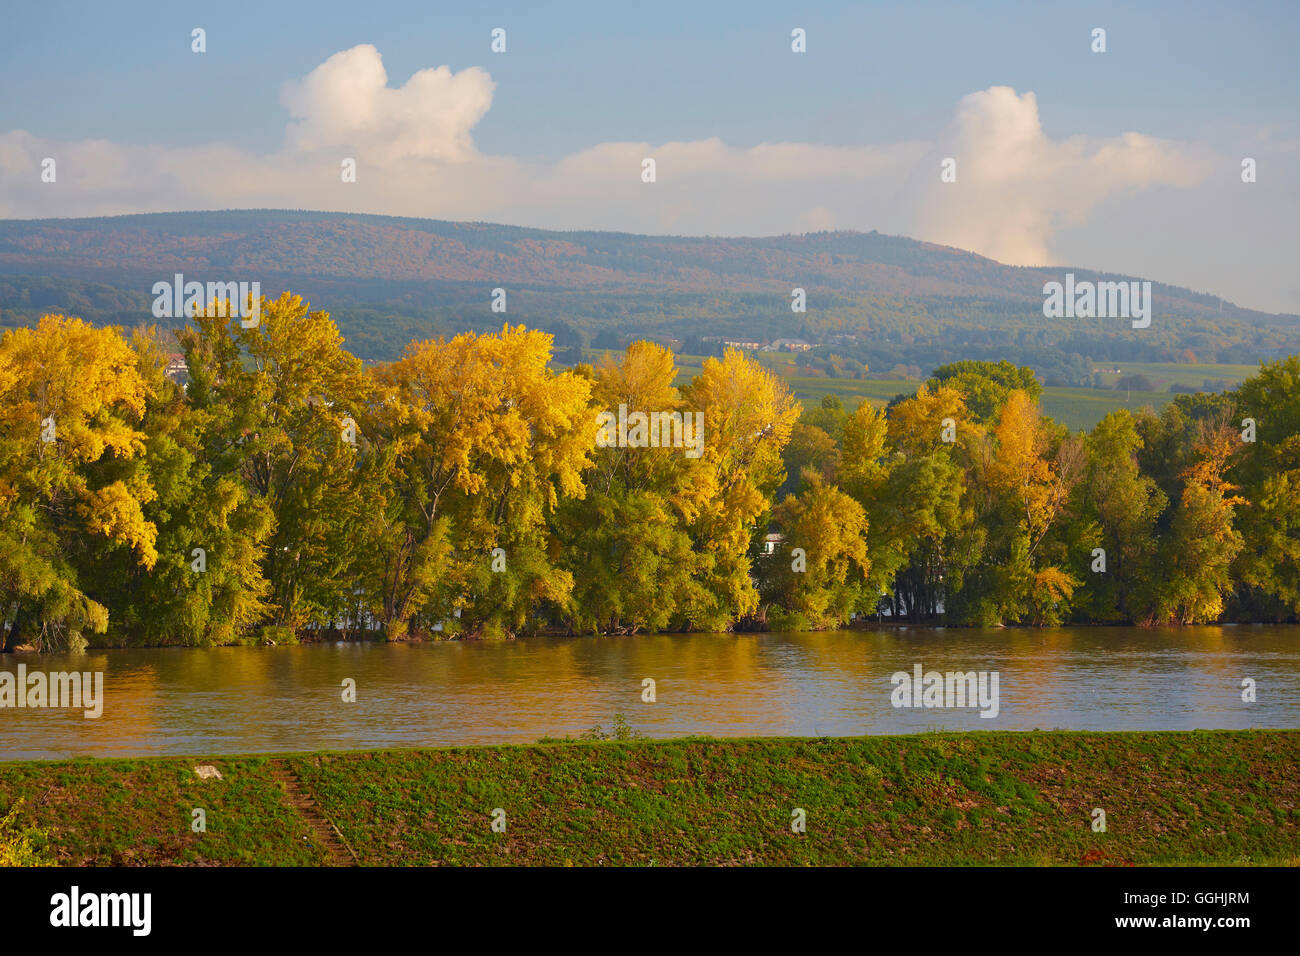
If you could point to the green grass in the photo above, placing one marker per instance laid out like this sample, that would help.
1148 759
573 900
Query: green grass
1223 797
1164 374
139 812
1076 408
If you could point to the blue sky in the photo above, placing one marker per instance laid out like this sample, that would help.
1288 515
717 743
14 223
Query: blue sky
875 102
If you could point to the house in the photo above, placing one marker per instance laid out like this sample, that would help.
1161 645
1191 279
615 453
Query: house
789 345
177 370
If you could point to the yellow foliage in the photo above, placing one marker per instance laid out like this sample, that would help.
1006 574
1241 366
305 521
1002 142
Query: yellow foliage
916 424
16 844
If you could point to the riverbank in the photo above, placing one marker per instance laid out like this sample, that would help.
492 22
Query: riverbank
1173 798
310 638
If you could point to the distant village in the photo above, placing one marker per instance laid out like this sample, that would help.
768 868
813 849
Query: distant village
776 345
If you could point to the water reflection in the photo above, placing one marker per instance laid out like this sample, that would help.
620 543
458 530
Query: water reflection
245 700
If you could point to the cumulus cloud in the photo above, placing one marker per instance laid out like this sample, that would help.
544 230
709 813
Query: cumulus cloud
1016 187
416 156
346 102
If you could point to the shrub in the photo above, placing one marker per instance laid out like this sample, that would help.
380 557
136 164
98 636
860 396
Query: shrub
21 846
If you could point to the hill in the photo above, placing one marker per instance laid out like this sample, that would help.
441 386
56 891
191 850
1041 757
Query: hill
872 298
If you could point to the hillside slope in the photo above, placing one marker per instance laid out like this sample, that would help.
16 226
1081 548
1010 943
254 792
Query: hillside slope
388 280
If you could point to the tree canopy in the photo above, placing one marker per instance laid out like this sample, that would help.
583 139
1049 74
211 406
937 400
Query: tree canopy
286 490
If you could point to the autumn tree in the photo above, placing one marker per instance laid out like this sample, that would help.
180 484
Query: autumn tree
628 542
866 474
818 576
487 441
71 399
1022 472
748 415
1115 510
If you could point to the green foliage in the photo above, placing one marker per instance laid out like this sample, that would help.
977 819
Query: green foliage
619 729
287 492
1171 797
21 845
824 583
985 386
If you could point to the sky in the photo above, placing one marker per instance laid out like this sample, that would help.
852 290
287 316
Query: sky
1128 160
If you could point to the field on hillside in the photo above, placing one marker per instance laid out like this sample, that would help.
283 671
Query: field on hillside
1076 408
1164 374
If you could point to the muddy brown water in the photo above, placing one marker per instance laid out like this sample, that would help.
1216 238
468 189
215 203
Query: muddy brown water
275 699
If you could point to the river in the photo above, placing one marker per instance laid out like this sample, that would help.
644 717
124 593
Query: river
217 701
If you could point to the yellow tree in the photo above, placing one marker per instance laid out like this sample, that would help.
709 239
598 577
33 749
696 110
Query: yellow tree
70 400
748 417
628 542
819 584
866 463
1024 472
486 441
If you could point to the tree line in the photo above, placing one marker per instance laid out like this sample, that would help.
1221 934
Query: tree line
286 490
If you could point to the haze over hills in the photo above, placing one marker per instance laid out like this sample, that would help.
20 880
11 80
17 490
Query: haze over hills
871 297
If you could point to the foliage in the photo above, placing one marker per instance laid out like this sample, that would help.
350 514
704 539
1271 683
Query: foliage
287 491
19 845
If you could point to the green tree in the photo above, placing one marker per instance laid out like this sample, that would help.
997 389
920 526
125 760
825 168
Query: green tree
628 543
1201 543
206 586
1268 474
824 583
1116 510
985 386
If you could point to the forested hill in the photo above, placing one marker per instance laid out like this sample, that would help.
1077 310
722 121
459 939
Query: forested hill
388 280
342 246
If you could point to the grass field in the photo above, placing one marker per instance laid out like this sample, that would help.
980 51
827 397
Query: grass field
1082 408
1164 374
1223 797
1076 408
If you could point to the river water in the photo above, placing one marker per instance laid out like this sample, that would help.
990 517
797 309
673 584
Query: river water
838 683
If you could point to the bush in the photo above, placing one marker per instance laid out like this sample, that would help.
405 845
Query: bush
1135 383
621 730
21 846
277 634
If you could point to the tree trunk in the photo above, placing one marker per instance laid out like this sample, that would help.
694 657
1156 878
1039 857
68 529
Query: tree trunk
15 631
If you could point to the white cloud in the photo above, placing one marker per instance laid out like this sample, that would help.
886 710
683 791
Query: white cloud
1016 187
346 102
